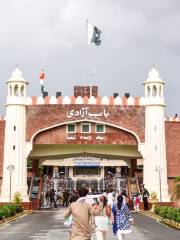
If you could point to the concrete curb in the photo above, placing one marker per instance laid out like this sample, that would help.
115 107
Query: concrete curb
170 223
15 218
151 215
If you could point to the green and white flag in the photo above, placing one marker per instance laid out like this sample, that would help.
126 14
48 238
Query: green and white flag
93 34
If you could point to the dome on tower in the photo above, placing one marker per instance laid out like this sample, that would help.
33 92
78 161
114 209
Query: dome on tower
153 77
17 76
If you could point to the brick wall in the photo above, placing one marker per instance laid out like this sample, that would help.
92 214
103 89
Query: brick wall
59 135
43 116
172 151
2 134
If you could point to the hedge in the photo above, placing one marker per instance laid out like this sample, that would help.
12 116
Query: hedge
168 212
9 210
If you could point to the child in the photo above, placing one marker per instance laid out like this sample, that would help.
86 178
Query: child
137 202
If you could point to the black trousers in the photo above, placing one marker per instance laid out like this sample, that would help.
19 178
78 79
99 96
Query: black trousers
145 200
65 202
52 200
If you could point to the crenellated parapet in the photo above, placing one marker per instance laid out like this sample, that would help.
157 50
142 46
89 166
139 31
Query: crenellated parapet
131 101
172 119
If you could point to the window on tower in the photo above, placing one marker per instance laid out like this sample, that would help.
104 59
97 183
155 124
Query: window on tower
16 90
160 91
22 91
148 91
154 91
10 90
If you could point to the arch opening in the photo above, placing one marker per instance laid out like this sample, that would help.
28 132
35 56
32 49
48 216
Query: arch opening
87 163
154 91
22 91
16 90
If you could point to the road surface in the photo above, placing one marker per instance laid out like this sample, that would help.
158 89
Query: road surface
48 225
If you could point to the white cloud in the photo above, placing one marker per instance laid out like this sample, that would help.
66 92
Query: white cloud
52 34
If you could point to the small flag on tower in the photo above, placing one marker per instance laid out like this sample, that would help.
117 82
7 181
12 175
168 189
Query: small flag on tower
42 77
93 34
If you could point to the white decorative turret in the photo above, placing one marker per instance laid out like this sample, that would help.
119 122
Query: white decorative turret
154 92
14 145
155 165
16 88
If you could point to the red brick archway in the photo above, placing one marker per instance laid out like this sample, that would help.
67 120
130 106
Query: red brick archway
54 142
58 135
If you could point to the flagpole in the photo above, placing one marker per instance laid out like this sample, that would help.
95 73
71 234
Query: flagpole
87 31
42 88
87 45
93 36
90 86
90 90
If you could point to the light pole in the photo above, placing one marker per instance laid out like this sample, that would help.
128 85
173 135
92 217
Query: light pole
158 169
10 167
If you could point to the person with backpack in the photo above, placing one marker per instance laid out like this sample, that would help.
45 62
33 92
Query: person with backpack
102 219
122 218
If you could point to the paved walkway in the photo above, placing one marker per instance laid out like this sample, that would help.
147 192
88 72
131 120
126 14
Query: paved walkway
48 225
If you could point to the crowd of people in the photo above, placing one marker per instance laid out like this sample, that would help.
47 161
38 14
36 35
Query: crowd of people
56 198
87 214
54 192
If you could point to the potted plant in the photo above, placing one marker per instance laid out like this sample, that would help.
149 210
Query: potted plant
153 199
18 201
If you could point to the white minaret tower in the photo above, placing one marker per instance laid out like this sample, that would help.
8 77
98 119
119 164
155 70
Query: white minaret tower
155 164
15 162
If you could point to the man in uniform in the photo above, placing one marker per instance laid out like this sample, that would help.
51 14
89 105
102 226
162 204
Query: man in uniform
145 196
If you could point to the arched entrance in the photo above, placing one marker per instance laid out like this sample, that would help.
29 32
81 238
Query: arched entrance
92 159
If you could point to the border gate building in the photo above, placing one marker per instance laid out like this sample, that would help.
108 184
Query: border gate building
88 135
